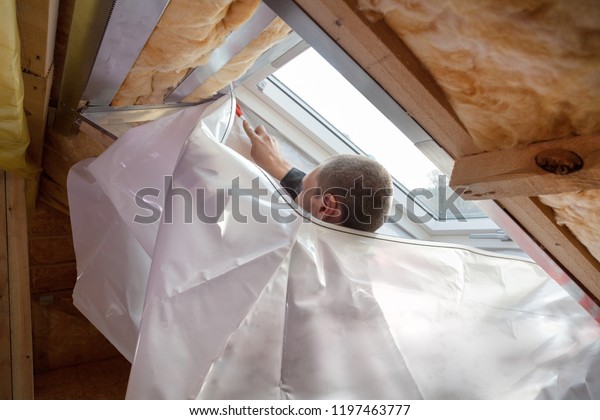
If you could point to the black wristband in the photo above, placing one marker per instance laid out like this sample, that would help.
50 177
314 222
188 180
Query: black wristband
292 182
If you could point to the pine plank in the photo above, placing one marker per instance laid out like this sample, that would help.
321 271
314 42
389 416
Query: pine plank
5 350
37 30
20 300
516 172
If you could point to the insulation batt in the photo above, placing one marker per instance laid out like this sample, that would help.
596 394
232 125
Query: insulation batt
515 72
14 133
188 31
579 211
501 61
242 62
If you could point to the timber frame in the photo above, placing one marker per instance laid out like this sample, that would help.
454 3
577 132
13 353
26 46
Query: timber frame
548 167
16 348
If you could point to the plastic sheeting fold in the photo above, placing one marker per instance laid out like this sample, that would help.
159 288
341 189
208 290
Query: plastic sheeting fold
272 309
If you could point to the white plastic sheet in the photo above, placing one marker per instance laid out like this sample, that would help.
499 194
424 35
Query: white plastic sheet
301 309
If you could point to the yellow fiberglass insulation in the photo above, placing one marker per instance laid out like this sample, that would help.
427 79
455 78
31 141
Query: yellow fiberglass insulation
580 212
14 134
240 64
188 31
515 72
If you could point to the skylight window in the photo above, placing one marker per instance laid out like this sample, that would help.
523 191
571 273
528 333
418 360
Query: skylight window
337 103
316 113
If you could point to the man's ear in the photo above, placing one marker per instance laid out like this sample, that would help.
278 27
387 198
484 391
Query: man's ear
330 209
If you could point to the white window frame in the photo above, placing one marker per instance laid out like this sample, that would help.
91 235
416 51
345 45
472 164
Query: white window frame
310 135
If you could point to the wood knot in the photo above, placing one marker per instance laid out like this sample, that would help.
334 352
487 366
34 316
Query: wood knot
559 161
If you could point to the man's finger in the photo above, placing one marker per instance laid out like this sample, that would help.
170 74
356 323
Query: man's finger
249 130
260 130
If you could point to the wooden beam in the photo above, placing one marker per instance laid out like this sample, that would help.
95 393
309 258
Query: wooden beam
557 240
383 55
20 298
37 31
74 148
56 166
54 195
379 51
522 238
14 278
37 22
35 103
5 359
60 153
52 277
526 171
63 336
96 134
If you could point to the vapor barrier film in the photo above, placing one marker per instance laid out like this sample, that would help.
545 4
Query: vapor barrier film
194 265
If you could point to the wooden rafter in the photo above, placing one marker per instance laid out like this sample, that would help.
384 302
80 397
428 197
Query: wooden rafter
384 56
548 167
95 134
557 240
5 360
16 361
37 29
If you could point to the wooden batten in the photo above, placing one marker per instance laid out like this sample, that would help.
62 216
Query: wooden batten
55 276
35 103
67 348
94 133
37 30
51 252
5 356
548 167
525 241
557 240
63 335
16 375
385 57
54 194
37 22
60 153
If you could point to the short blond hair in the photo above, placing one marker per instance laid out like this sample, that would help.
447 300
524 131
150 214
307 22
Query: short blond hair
363 188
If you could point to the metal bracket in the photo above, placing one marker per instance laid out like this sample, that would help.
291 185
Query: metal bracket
90 17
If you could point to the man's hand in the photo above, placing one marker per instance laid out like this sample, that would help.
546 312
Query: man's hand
265 152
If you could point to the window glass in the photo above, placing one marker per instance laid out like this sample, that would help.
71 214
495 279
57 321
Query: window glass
333 99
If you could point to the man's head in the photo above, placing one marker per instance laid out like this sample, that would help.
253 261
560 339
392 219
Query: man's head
349 190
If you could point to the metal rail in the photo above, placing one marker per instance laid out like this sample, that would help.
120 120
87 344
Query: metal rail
90 17
234 43
129 28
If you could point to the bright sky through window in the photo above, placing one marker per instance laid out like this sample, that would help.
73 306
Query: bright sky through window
314 80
